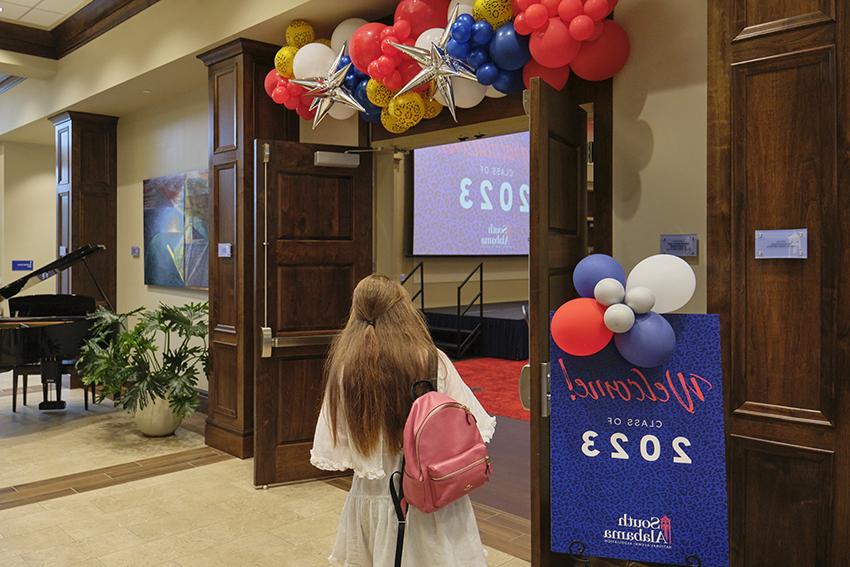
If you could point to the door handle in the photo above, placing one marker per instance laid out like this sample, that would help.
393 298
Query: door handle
270 342
525 388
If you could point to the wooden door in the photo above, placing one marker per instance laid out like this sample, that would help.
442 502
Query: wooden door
317 223
558 242
778 159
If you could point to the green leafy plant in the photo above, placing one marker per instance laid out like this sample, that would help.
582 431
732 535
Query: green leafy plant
126 361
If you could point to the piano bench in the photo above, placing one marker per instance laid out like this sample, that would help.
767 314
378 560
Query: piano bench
26 370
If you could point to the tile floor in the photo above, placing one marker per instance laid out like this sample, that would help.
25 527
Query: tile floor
209 516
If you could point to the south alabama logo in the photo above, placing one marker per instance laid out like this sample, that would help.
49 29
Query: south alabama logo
653 532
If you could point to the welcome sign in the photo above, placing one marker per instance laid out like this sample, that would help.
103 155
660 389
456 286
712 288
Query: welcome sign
638 457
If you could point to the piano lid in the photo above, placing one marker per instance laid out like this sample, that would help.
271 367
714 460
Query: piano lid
49 270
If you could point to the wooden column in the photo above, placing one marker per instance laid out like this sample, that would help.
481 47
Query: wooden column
239 112
86 191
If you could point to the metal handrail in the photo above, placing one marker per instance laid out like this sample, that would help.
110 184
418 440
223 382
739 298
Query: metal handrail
462 344
420 267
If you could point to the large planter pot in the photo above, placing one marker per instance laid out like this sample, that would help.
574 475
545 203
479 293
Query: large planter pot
157 419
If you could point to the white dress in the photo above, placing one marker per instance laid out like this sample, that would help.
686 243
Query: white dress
366 536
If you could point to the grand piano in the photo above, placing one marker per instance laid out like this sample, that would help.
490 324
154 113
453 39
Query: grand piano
47 330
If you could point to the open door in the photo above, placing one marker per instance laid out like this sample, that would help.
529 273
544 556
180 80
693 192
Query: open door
558 241
313 243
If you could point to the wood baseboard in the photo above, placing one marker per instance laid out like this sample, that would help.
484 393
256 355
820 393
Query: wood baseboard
241 446
203 402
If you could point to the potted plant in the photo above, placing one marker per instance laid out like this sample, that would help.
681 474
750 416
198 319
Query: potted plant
150 367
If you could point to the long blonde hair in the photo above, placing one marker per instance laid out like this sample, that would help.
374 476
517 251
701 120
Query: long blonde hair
384 349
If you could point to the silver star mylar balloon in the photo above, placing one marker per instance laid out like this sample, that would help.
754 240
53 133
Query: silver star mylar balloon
438 66
329 90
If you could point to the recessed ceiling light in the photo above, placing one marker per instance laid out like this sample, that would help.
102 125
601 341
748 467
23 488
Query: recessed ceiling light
1 8
146 91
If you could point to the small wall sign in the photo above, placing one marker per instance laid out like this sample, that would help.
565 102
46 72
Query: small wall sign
682 245
21 265
225 250
782 244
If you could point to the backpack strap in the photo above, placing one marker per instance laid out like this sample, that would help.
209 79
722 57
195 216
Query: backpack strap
397 495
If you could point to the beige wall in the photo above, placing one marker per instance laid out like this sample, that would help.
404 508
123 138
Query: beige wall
161 140
29 210
660 126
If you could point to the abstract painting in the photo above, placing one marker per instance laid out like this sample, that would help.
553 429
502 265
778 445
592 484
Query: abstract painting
176 230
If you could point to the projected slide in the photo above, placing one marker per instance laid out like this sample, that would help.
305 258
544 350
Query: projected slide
472 198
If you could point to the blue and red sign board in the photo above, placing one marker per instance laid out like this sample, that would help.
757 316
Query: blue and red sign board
638 455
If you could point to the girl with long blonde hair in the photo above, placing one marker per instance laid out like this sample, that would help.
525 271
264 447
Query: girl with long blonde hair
384 349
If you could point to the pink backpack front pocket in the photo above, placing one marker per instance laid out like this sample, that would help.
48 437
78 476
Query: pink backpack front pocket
455 477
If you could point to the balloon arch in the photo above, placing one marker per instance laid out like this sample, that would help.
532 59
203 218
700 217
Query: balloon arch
443 53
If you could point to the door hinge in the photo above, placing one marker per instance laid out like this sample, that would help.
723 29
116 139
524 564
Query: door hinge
590 151
546 398
266 153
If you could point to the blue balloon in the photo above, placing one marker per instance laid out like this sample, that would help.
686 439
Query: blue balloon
482 32
372 114
595 268
509 82
360 93
461 31
351 81
487 74
467 19
650 343
457 49
477 57
508 49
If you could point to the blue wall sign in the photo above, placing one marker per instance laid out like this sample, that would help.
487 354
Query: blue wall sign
21 265
789 244
682 245
638 457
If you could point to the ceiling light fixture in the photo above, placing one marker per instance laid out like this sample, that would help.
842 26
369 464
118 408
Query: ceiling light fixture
146 91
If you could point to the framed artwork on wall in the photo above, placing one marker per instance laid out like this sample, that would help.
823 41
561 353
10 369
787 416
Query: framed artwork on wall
176 230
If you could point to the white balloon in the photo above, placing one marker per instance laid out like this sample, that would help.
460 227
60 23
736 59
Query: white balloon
619 318
640 299
465 7
341 112
609 291
344 31
493 93
467 93
671 279
429 37
312 60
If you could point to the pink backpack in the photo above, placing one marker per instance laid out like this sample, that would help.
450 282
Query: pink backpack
444 457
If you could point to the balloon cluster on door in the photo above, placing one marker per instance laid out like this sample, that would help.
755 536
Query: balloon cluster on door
443 53
627 310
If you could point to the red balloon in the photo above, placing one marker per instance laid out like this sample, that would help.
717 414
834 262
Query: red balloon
394 82
523 5
402 29
578 327
612 4
536 16
597 31
422 15
569 9
279 95
597 9
551 6
602 59
270 82
554 47
291 102
582 27
556 78
521 26
365 44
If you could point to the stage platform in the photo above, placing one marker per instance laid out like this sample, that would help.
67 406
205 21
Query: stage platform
504 333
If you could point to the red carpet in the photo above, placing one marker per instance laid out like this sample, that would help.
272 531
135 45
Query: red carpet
495 383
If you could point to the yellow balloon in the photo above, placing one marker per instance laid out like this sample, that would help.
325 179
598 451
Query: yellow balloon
378 94
497 12
407 110
324 41
390 123
299 33
432 108
283 61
